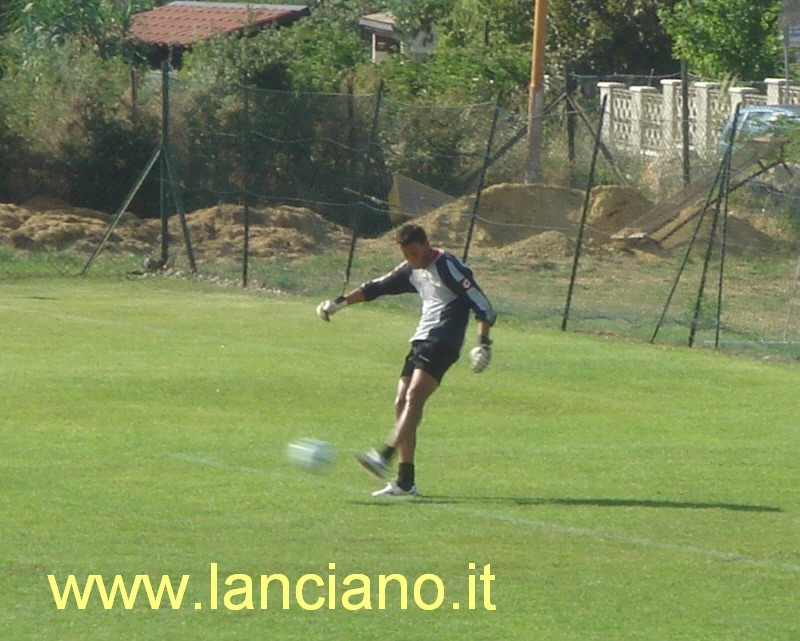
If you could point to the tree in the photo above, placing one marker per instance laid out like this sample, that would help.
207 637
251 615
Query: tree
719 38
610 36
458 73
311 55
413 15
100 24
492 21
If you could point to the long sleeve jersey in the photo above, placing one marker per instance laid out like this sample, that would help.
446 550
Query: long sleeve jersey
448 293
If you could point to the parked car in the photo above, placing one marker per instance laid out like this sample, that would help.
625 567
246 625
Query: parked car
759 120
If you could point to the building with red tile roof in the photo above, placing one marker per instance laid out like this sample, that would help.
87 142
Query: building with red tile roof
180 24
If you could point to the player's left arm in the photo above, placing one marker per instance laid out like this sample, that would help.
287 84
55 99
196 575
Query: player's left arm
461 281
481 355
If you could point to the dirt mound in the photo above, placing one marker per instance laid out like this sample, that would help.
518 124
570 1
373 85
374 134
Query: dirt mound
51 225
524 222
613 208
535 223
507 213
548 246
741 235
46 224
290 232
512 214
11 218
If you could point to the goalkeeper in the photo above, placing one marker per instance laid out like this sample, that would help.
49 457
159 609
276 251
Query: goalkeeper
448 293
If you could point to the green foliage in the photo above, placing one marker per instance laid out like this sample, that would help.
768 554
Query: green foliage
65 110
99 23
459 74
438 147
67 126
321 56
259 60
103 167
433 147
207 126
412 15
282 145
491 21
341 12
726 38
441 144
317 53
618 36
309 56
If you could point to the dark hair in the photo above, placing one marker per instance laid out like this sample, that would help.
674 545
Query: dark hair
411 233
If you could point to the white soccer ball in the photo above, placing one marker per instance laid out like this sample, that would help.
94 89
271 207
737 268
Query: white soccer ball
311 454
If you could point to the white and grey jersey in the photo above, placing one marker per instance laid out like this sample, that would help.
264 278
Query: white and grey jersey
448 293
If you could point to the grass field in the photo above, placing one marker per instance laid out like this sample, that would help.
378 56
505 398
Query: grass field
617 490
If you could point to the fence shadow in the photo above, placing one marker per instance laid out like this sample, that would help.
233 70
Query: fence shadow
603 503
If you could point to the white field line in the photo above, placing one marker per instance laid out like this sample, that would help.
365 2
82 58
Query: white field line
544 526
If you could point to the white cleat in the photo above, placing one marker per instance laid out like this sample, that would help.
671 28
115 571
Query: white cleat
374 463
393 490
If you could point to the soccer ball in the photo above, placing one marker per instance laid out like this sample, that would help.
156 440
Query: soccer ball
311 454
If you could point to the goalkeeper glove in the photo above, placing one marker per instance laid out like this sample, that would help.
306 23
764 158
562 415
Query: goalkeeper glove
480 355
328 308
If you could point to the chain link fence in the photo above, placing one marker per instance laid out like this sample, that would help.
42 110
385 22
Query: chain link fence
296 192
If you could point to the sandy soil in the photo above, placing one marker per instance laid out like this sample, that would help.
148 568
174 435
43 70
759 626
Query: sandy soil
533 222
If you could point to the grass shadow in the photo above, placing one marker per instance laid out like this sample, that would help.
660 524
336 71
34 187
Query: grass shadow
606 503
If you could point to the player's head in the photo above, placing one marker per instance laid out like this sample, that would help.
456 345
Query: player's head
414 244
411 233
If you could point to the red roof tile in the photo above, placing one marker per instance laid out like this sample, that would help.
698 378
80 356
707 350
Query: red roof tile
179 24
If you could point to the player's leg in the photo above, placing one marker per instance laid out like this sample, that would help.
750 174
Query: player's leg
412 393
421 375
377 461
400 396
430 362
419 389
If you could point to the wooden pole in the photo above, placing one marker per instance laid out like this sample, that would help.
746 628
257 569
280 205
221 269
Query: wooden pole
533 166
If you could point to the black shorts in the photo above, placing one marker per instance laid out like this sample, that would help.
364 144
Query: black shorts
430 356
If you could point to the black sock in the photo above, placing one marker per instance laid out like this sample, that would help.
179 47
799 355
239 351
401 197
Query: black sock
405 476
387 452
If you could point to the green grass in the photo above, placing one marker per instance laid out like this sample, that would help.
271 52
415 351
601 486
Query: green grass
618 490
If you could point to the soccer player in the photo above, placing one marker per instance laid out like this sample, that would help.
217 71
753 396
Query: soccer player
448 293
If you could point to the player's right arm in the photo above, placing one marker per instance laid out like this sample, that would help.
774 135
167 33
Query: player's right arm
328 308
395 282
